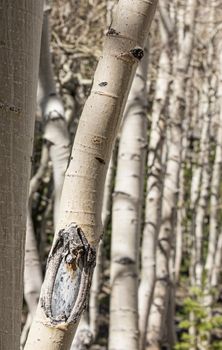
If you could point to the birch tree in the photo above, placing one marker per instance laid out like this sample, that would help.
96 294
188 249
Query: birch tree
72 258
154 181
19 56
56 148
126 217
88 326
157 319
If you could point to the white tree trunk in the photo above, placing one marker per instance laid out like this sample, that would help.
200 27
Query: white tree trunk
97 275
72 258
88 326
55 146
154 188
158 316
55 129
126 217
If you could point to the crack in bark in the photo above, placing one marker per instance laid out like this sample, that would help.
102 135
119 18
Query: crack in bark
69 273
101 160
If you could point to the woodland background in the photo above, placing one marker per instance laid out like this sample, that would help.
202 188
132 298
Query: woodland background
179 208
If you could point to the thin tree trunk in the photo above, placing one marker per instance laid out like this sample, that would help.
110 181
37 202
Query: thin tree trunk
72 258
96 281
55 129
215 184
201 204
19 56
157 319
55 146
154 188
214 240
32 269
126 217
181 205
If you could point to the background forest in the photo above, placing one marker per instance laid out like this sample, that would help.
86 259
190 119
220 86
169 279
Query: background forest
157 281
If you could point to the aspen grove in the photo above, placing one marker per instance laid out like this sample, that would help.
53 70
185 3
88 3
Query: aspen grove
111 205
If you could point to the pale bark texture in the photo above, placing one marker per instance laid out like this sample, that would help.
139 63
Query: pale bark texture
72 258
55 146
88 326
181 205
97 275
154 187
158 313
55 130
215 183
213 259
126 217
202 202
20 36
84 336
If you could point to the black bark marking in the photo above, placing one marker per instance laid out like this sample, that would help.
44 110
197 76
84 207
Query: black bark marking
101 160
125 261
9 107
68 277
137 52
103 83
112 32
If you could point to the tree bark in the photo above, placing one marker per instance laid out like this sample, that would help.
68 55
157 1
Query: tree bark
126 217
55 146
55 129
154 187
88 326
20 36
72 258
157 319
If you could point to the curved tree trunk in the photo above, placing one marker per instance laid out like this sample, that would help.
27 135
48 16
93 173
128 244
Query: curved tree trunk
88 326
72 258
21 23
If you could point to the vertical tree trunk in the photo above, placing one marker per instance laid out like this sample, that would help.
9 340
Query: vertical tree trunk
126 217
157 319
56 131
154 187
55 146
21 23
97 275
72 258
213 258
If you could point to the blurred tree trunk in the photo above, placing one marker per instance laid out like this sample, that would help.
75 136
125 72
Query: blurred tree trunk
72 258
56 133
21 24
214 229
158 313
213 258
154 184
126 217
201 192
55 146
